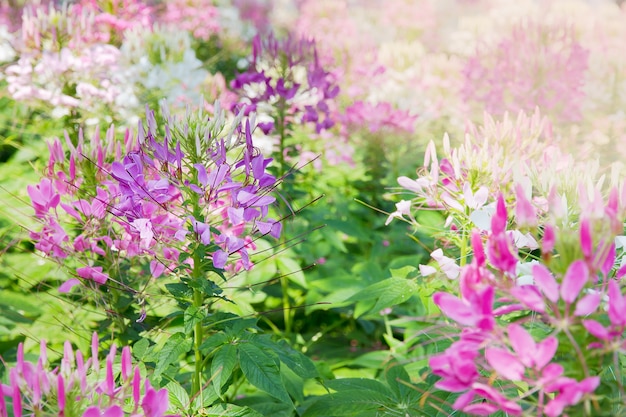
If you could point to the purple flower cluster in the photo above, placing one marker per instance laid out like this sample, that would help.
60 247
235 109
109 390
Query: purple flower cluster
198 182
286 83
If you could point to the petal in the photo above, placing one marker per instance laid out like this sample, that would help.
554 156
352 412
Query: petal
575 279
522 343
455 308
617 305
68 285
529 295
596 329
505 363
588 304
545 351
546 282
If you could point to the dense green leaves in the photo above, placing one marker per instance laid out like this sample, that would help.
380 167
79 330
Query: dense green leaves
262 370
177 345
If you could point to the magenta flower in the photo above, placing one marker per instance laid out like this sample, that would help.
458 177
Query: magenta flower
44 197
78 384
476 311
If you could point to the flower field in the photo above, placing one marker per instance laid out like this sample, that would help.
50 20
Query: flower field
315 208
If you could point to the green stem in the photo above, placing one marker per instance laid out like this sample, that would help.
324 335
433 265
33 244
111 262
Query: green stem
464 248
284 285
198 301
282 133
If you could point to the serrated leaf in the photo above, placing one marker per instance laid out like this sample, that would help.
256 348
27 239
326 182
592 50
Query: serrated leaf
294 271
229 410
262 371
179 290
399 381
192 316
222 366
175 346
359 384
213 342
302 365
348 403
387 293
139 348
178 396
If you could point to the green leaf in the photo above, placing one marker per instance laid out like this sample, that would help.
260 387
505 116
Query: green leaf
222 366
206 286
139 348
179 290
21 303
178 396
387 293
175 346
403 272
359 384
348 403
262 371
229 410
399 381
212 343
291 267
193 315
301 364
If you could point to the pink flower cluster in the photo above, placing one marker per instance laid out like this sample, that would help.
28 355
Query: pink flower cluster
563 297
198 17
79 386
536 65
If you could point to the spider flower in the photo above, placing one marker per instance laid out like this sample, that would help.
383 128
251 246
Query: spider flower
79 384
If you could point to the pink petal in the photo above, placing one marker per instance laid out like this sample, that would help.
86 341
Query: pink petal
545 351
455 308
617 304
68 285
481 409
549 239
525 214
588 304
499 219
522 343
575 279
530 297
586 240
92 411
596 329
114 411
546 282
505 363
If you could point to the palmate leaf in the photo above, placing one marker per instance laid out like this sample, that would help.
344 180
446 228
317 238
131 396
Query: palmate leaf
262 371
